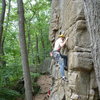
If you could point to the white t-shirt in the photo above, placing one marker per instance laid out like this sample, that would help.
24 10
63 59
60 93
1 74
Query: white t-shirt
57 44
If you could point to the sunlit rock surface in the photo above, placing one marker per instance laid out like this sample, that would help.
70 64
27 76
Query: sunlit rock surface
68 16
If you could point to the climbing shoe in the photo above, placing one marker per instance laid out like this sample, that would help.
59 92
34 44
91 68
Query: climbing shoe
65 78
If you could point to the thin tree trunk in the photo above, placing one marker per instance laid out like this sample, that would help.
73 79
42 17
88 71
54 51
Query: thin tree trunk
4 34
30 50
92 13
37 49
2 15
43 45
25 64
42 39
8 14
29 40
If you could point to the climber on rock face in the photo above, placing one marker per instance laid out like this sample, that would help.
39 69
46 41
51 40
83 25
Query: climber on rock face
59 58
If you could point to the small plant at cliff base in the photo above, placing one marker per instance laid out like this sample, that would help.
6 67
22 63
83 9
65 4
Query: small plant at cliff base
36 87
35 76
8 94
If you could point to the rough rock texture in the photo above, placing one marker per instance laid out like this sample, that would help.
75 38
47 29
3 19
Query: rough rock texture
68 16
45 83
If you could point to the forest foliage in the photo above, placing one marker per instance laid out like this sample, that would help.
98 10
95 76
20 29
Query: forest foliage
37 17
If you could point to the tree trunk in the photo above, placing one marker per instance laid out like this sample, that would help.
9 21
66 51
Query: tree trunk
29 40
2 15
25 64
4 33
37 49
92 13
8 14
2 18
43 45
42 39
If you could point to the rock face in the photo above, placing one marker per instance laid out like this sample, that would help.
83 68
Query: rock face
68 16
44 82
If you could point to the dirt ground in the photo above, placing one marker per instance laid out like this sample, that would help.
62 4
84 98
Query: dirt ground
45 83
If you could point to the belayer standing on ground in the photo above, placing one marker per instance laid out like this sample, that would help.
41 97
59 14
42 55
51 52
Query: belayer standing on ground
59 58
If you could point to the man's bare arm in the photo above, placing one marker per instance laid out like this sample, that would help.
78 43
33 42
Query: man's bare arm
64 42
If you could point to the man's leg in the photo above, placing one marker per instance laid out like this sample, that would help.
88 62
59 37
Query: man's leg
65 61
61 65
60 61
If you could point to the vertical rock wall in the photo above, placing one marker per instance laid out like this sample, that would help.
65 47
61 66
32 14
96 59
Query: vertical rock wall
68 16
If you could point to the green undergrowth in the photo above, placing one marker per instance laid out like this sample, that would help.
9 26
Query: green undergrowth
35 76
8 94
36 87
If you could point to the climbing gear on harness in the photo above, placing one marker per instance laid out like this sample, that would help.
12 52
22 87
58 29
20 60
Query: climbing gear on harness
56 55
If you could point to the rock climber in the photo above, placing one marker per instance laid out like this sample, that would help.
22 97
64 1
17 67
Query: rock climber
59 58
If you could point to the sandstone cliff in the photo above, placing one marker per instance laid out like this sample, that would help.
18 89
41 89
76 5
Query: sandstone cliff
68 16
